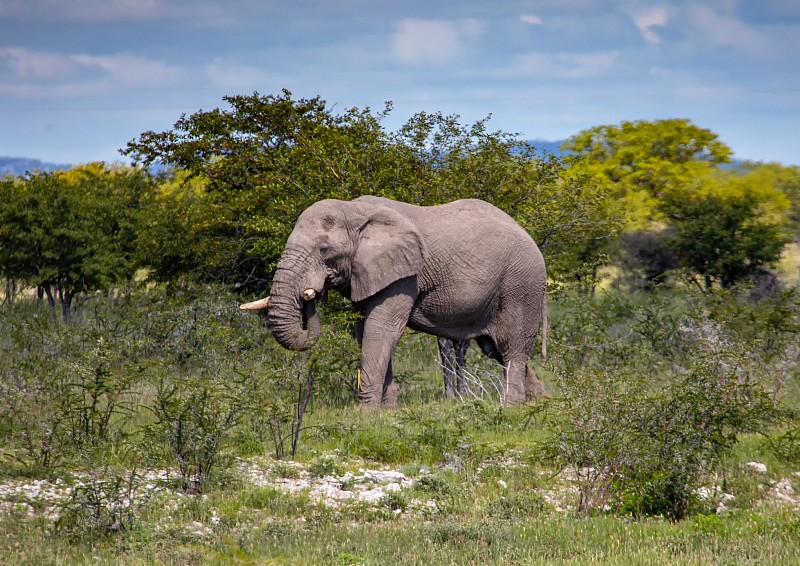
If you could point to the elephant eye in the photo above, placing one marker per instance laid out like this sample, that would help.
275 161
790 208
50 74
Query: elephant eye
324 249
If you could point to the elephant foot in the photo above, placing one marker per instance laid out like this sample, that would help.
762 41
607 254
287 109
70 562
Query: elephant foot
534 387
389 398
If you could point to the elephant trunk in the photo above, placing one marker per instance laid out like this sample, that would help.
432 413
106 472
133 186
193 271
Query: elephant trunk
293 320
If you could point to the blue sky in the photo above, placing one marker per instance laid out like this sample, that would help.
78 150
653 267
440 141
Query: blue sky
80 78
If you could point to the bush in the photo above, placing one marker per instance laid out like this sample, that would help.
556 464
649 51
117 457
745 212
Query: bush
66 387
644 445
648 452
647 258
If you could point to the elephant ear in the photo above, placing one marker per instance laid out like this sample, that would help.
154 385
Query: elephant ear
389 248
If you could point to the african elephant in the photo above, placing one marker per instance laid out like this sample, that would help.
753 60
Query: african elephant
463 270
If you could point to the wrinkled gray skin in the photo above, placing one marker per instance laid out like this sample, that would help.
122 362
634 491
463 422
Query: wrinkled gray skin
463 270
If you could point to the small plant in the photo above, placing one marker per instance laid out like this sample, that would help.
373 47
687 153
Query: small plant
348 559
516 506
324 465
287 470
394 501
434 484
107 502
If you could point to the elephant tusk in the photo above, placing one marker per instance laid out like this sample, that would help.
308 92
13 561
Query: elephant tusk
255 305
309 294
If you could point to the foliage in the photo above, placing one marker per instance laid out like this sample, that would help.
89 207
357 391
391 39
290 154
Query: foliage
71 232
65 390
647 257
642 444
786 180
262 162
183 231
108 501
644 162
267 158
727 235
723 224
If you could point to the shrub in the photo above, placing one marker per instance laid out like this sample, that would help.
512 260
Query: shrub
644 444
648 453
648 258
516 506
66 387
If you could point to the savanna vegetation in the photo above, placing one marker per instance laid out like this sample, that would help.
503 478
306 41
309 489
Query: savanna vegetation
145 420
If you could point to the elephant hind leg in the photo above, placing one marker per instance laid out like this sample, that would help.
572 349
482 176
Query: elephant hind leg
534 387
453 355
449 366
461 347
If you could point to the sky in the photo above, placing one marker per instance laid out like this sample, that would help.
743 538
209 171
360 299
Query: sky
81 78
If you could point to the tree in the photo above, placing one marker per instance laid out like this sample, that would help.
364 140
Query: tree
267 158
784 179
644 162
70 232
261 163
728 226
647 258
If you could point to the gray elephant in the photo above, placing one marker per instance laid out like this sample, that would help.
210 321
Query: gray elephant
463 270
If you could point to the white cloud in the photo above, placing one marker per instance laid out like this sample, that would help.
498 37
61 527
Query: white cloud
646 20
723 30
25 64
531 19
562 65
130 70
24 72
437 42
232 76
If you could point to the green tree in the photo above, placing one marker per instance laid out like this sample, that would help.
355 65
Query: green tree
260 163
644 162
784 179
70 232
11 253
267 158
728 226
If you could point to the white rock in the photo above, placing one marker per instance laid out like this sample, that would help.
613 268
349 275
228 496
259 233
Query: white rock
502 484
758 467
388 476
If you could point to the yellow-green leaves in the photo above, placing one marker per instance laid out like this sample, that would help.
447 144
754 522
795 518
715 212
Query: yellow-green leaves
643 162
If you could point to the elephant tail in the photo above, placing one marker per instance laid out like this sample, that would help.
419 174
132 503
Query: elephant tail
544 325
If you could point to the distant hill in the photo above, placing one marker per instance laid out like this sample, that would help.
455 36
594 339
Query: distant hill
17 166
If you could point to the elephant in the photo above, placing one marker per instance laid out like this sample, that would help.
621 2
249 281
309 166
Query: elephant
461 271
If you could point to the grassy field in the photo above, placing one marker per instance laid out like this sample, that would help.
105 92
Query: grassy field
382 489
658 408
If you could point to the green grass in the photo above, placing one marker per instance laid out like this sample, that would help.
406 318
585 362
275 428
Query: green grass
745 538
479 486
490 508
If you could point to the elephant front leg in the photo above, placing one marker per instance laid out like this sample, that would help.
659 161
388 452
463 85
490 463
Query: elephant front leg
377 378
386 316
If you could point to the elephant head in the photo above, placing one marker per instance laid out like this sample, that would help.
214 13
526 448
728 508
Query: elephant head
357 248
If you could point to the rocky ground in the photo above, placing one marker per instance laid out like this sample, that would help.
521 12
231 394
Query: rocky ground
365 487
